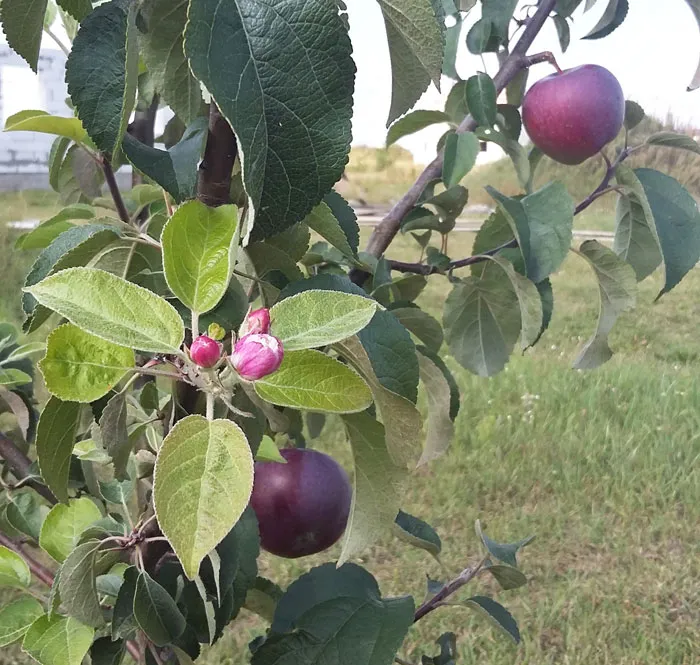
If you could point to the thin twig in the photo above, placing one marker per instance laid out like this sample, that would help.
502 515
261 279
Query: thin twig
20 465
111 181
59 43
604 186
40 572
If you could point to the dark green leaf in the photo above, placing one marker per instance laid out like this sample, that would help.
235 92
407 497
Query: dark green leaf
547 295
263 597
499 13
634 114
105 652
426 328
455 397
505 552
413 122
156 612
418 533
498 615
479 36
515 90
78 9
674 140
615 13
77 585
509 120
26 514
23 25
461 151
123 621
114 434
563 31
456 105
448 651
346 218
481 99
292 151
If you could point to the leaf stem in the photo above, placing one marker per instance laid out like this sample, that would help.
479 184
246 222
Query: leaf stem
59 43
210 406
195 325
111 181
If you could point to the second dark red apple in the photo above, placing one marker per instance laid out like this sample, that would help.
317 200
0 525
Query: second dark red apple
571 115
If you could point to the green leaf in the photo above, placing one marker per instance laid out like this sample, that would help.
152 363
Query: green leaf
505 552
514 150
262 598
415 48
508 577
674 140
634 114
313 381
452 41
14 571
293 241
78 9
418 533
114 434
198 253
24 351
156 612
479 36
16 618
427 329
676 221
59 149
542 222
461 151
64 524
58 641
78 179
448 651
439 426
497 614
77 585
269 452
102 72
55 436
80 367
563 31
327 609
26 513
23 24
202 483
123 622
322 220
345 216
481 99
106 652
162 44
455 396
112 309
413 122
11 378
456 105
317 318
269 49
499 13
612 18
44 123
618 293
402 421
379 486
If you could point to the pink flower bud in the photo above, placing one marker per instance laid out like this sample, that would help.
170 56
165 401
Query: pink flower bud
257 322
255 356
205 351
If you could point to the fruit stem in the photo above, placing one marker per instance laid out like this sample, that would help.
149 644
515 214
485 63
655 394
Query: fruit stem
546 56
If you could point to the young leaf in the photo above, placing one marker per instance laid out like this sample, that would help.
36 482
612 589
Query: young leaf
77 584
270 48
11 378
102 72
156 612
202 483
198 253
23 24
63 525
634 114
413 122
44 123
618 293
415 48
497 614
55 437
113 309
612 18
418 533
269 452
505 552
426 328
313 381
379 486
14 571
317 318
439 426
16 618
58 640
322 220
674 140
80 367
481 99
162 43
461 151
507 576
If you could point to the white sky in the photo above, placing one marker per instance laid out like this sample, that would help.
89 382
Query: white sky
654 54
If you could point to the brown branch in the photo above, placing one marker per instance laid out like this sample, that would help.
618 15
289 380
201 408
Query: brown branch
40 572
143 129
111 181
214 184
387 229
20 465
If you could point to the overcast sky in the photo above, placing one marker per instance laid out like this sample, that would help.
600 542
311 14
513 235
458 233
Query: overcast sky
654 54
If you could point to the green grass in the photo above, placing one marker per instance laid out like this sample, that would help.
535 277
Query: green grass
603 466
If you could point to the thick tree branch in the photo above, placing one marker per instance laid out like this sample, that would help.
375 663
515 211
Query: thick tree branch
20 465
111 181
214 185
40 572
387 229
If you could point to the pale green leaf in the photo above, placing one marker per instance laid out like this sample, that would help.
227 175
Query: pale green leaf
55 436
202 483
24 351
14 571
317 318
269 452
313 381
198 253
102 72
156 612
618 293
58 641
379 486
461 151
415 48
42 122
80 367
272 51
11 377
23 24
413 122
64 524
674 140
322 220
439 427
16 617
113 309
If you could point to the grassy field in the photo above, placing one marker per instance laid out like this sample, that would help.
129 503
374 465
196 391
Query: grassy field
604 467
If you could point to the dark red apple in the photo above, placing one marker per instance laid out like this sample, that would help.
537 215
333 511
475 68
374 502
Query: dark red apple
571 115
302 506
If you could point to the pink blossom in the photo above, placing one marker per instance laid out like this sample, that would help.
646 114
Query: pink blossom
205 351
257 355
257 322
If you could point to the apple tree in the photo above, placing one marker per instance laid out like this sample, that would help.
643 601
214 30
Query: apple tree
195 328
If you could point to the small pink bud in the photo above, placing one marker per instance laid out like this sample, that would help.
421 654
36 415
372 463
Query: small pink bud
256 355
205 351
257 322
